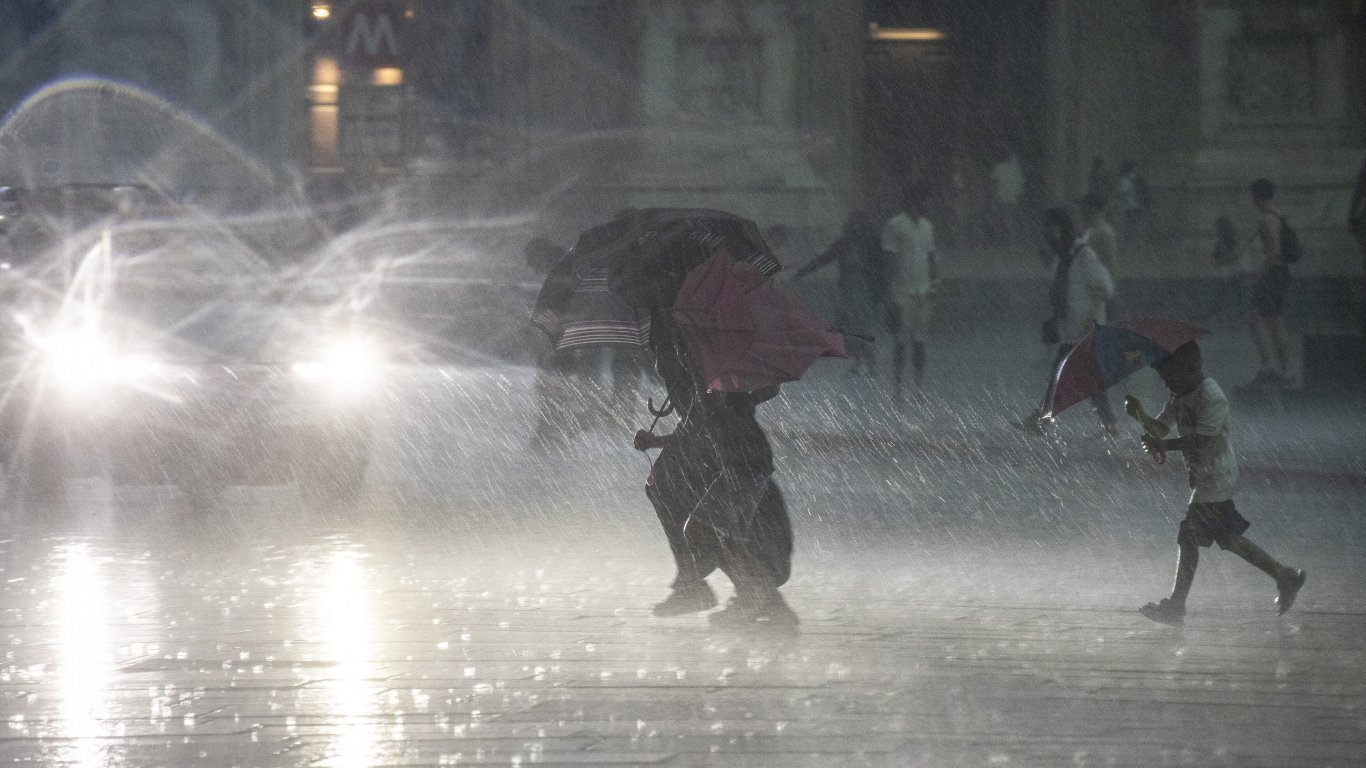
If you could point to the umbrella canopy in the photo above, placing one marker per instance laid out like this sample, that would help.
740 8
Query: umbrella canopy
649 251
1109 353
575 309
743 332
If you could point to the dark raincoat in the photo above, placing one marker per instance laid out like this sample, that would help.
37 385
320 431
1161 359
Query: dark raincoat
712 485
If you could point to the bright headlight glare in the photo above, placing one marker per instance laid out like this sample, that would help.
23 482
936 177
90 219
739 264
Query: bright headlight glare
80 361
346 365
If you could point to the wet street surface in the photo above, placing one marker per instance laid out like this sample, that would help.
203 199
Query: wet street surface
967 597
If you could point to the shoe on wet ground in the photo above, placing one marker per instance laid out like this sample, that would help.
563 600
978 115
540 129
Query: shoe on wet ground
1165 612
687 600
1031 425
772 613
1288 587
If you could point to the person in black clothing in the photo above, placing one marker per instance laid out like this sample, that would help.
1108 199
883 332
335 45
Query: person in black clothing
857 255
713 492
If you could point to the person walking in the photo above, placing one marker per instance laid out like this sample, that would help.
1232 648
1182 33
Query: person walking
1008 186
1269 288
1136 199
1199 411
1078 296
712 489
857 254
913 279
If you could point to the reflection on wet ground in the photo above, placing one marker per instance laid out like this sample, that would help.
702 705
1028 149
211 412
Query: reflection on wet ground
966 598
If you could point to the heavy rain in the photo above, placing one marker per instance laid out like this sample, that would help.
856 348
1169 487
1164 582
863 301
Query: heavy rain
682 382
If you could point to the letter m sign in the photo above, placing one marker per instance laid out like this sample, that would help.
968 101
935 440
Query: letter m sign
372 35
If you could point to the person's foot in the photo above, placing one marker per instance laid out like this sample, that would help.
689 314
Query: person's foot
770 613
684 600
1287 587
1264 377
1032 425
1165 611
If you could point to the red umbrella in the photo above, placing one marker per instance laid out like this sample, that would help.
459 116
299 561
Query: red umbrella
743 332
1110 353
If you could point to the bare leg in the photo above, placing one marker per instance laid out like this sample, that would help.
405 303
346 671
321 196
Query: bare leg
1187 561
1244 548
918 362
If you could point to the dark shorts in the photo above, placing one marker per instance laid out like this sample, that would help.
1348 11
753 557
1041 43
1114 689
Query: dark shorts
1214 522
1268 292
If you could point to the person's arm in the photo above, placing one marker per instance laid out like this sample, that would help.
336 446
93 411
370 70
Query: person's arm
1134 407
825 259
647 440
1187 443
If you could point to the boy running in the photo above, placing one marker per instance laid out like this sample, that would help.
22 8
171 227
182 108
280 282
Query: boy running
1200 412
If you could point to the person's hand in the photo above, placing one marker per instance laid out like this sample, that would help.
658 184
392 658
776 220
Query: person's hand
644 440
1152 445
1134 407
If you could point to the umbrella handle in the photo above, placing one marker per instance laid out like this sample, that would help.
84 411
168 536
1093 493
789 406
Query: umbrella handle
665 408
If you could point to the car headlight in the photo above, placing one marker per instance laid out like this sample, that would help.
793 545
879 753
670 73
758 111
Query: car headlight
81 361
346 366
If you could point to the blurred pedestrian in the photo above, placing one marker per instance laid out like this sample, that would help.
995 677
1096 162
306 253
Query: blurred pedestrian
857 254
567 380
1098 177
1008 184
1199 411
1097 233
1356 213
712 489
1077 297
1269 288
1096 230
1136 198
913 281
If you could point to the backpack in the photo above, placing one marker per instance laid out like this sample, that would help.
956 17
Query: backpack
1291 248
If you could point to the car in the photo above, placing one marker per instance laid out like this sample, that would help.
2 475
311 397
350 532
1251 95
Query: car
457 291
149 342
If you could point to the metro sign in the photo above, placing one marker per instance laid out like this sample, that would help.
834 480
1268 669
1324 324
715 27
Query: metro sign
371 34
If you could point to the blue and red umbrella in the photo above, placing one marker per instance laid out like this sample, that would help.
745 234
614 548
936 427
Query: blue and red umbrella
1110 353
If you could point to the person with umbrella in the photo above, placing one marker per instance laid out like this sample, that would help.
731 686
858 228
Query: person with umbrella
1199 410
723 339
1077 297
713 492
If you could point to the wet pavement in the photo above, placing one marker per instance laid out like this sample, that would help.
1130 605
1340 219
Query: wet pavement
967 598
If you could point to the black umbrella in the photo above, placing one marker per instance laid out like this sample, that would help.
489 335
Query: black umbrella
648 252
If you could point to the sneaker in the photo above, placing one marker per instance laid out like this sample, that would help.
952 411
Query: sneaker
773 613
1165 612
687 600
1288 586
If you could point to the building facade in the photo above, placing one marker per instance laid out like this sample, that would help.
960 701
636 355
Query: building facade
787 111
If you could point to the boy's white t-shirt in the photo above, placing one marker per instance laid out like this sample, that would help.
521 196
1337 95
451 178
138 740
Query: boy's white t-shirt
1213 469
